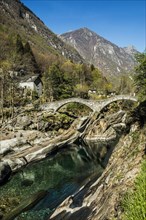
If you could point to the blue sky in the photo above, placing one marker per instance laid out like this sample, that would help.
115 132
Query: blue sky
122 22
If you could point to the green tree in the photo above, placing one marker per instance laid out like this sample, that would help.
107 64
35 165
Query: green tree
70 76
19 45
56 81
125 84
140 76
92 67
57 84
67 86
47 87
82 90
29 60
97 80
9 88
4 85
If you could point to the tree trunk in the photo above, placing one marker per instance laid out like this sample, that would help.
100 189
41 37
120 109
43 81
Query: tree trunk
2 97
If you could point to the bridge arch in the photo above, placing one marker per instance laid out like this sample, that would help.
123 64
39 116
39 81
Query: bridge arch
85 102
92 104
107 102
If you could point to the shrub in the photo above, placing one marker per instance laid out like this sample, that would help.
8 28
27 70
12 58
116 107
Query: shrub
134 203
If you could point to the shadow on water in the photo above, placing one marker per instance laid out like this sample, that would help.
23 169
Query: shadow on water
81 214
60 175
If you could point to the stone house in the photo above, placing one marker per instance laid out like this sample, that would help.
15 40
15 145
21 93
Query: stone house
33 83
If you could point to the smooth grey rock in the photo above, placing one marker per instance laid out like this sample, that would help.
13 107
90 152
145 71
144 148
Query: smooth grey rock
15 163
8 145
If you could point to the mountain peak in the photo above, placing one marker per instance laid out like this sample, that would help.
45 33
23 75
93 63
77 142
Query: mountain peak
85 29
130 49
105 55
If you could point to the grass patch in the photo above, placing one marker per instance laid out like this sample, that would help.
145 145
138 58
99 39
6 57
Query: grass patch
134 203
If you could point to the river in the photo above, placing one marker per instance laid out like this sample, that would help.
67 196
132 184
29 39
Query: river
61 175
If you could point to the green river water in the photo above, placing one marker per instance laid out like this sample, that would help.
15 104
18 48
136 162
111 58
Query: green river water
60 175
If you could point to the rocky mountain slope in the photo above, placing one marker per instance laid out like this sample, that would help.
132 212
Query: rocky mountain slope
15 18
108 57
131 50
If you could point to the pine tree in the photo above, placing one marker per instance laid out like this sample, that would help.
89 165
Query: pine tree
61 84
56 79
140 76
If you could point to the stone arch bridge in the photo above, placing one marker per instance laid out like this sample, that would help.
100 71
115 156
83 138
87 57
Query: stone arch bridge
95 106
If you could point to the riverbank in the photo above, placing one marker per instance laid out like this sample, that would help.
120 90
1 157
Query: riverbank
111 139
104 198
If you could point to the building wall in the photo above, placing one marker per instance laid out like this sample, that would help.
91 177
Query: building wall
31 85
39 88
28 85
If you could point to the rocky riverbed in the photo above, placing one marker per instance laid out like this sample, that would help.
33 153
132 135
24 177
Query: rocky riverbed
115 139
102 198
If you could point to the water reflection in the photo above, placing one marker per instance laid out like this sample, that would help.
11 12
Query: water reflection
61 175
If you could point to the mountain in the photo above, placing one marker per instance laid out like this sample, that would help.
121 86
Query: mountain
108 57
130 50
79 46
16 18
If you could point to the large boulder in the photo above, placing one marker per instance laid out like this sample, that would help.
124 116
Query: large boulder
11 145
